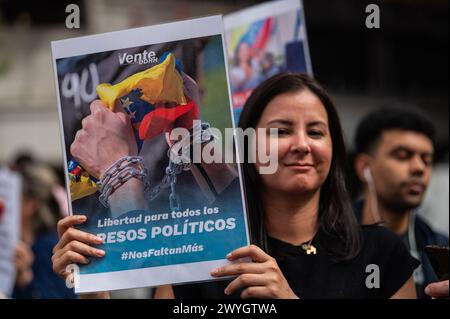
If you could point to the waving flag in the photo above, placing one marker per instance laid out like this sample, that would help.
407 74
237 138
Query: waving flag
81 184
258 34
155 102
160 83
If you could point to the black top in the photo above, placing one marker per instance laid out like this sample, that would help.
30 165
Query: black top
318 276
424 236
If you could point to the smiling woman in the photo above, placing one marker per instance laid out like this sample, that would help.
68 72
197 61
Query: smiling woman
304 143
307 243
311 153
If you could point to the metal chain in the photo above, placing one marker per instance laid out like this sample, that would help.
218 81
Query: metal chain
173 169
119 173
169 180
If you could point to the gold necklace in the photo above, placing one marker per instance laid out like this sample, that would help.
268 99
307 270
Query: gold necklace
309 248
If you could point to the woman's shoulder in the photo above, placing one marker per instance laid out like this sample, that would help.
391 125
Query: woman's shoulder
379 233
383 245
375 237
387 255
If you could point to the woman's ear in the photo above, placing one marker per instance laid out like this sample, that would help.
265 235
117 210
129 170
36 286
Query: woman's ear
362 166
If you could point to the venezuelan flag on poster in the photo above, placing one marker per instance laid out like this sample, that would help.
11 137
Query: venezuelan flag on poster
255 35
155 102
81 184
160 83
258 33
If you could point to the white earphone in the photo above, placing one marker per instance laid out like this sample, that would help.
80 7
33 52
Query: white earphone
367 175
372 193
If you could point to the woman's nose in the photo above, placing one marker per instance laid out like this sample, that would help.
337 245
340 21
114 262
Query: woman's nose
300 144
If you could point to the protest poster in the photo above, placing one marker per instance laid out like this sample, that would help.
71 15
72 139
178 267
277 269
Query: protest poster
10 193
264 40
162 77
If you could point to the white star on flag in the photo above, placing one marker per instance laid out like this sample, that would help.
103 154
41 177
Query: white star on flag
126 104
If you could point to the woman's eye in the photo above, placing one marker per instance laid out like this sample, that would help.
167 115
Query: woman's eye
283 131
316 133
277 132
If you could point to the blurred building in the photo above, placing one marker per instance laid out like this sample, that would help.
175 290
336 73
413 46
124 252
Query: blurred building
404 63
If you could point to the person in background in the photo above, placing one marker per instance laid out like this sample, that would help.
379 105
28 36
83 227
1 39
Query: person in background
40 214
394 160
245 72
21 160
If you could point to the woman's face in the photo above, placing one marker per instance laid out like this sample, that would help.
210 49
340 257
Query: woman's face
304 142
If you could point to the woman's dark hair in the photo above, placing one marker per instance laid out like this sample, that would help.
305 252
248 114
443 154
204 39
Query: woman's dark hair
38 181
336 218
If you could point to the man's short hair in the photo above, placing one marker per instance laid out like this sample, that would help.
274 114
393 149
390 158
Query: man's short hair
390 118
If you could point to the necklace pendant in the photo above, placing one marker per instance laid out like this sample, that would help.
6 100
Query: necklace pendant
311 250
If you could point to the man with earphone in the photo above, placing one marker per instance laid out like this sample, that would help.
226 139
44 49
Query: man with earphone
394 158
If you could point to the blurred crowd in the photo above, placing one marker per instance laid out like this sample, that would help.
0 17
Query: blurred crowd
43 203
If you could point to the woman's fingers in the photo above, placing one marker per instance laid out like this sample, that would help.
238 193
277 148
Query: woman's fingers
82 249
72 234
256 292
245 280
68 222
69 257
73 252
237 269
252 251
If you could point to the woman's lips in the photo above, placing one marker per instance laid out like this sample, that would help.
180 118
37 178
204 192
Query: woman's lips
300 167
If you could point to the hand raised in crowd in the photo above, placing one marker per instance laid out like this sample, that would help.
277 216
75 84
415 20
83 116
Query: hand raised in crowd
438 290
260 278
23 259
104 138
74 246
